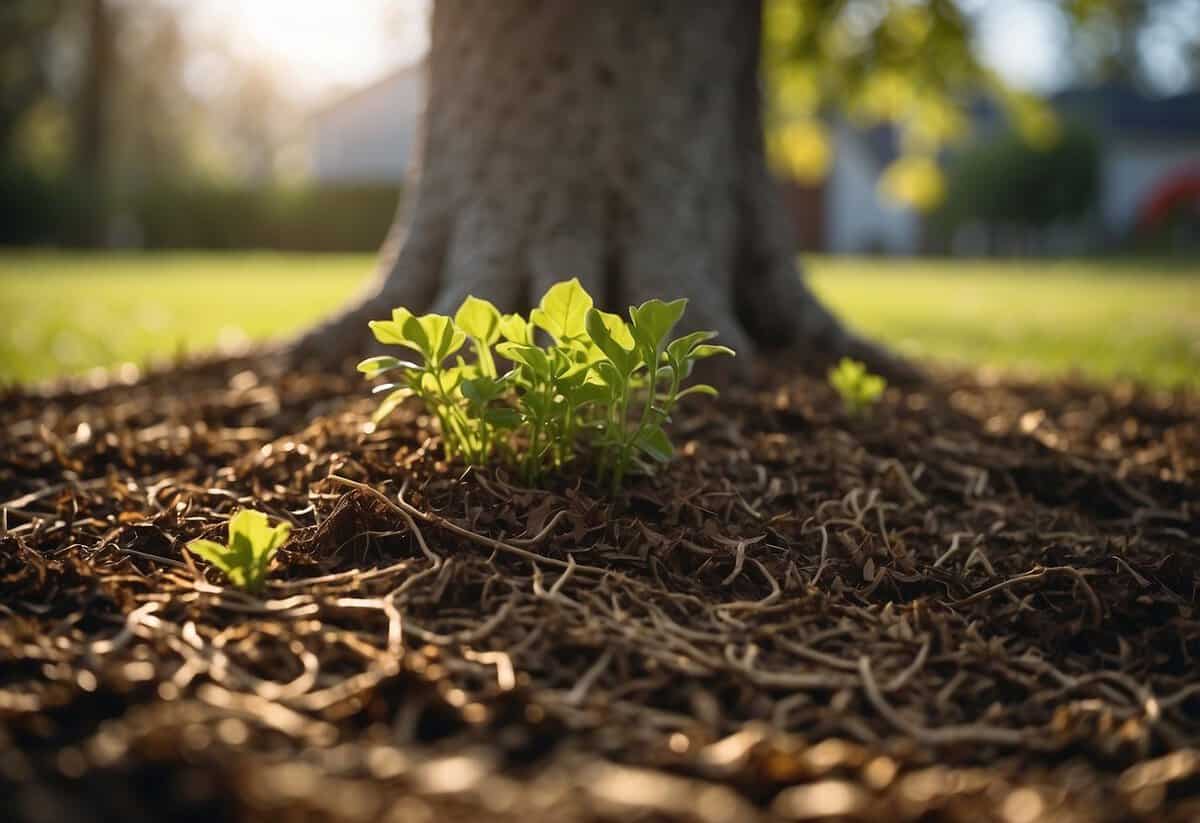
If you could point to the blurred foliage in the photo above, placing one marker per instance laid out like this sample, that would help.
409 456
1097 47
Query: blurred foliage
106 103
914 64
215 216
1006 182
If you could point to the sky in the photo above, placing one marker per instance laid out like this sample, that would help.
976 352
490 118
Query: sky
322 47
318 46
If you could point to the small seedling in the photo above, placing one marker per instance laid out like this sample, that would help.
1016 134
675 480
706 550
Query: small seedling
859 389
600 382
247 556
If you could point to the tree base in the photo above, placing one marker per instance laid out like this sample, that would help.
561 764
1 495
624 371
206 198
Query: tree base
619 143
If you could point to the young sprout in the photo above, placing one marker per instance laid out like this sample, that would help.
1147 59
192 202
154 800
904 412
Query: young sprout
859 389
599 382
247 555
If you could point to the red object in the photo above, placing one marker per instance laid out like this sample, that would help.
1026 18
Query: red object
1180 189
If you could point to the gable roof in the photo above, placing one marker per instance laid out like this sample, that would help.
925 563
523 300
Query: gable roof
411 72
1123 109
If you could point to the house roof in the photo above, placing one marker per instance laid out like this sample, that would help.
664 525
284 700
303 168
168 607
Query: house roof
410 70
1123 109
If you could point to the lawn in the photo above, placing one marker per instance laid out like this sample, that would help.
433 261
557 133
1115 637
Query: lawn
71 312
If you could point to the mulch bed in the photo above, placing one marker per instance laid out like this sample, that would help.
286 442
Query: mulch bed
979 604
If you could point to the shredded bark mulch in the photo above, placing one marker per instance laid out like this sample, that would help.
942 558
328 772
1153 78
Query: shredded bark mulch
978 604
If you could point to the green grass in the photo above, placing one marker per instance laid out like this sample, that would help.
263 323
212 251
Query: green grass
66 313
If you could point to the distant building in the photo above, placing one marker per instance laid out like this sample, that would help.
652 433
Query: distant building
858 217
1147 145
369 135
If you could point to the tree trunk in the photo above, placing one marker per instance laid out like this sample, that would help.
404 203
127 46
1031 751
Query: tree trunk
91 132
617 141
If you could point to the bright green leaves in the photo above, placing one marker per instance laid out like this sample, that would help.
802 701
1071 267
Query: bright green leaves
643 371
433 336
247 555
533 358
516 329
612 337
652 322
479 320
603 382
562 311
859 389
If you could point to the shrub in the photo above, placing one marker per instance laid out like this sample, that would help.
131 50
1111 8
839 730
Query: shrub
601 380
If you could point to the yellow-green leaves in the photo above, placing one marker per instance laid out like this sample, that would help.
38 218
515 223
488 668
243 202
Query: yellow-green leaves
613 338
247 555
479 320
859 389
516 329
433 336
603 381
562 311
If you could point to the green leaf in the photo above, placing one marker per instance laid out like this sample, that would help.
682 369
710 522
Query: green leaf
699 388
503 417
211 552
436 335
593 393
247 556
609 333
563 310
858 388
375 366
679 348
654 442
479 319
481 390
531 356
700 352
389 403
392 332
652 322
611 376
516 329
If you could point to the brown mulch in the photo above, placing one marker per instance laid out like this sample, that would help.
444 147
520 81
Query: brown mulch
979 604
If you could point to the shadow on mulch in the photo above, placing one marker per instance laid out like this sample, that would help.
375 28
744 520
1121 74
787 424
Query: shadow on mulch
979 604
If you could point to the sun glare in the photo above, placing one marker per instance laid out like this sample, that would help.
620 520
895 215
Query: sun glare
319 45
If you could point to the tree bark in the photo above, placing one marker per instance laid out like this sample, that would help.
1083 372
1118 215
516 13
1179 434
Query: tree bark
91 133
617 141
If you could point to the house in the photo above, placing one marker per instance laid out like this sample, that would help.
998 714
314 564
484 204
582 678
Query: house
367 137
1148 145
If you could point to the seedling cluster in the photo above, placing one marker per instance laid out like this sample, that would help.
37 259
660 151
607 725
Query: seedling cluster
579 377
859 389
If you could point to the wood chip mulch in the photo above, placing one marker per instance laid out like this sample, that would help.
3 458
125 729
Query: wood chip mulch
979 604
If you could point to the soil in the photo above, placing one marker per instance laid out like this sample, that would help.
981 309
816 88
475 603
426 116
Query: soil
978 603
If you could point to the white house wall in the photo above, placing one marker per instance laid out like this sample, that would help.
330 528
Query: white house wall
1133 168
859 218
370 137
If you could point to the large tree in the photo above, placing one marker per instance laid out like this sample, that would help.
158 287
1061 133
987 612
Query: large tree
619 142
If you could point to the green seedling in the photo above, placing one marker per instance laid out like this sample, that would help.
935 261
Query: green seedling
246 557
859 389
600 383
